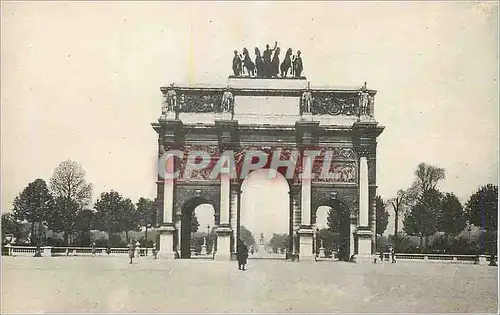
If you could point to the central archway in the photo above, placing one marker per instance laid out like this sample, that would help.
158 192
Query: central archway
198 216
265 214
332 222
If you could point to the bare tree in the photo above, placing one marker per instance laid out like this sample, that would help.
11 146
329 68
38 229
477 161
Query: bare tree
72 192
427 178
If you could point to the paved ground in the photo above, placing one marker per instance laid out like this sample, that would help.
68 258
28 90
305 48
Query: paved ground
106 284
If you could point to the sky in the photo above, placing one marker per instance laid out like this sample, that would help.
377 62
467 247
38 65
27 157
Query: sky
80 81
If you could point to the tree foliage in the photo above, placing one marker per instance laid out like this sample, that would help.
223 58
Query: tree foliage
247 237
278 242
146 211
10 225
337 217
32 205
482 208
452 219
382 215
427 177
114 213
72 193
422 219
400 204
68 181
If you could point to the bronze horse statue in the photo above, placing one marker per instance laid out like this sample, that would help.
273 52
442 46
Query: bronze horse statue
275 63
259 63
247 63
287 63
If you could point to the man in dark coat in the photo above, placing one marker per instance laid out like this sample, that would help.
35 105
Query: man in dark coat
242 255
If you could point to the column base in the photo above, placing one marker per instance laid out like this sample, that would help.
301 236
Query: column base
364 254
223 243
166 250
306 244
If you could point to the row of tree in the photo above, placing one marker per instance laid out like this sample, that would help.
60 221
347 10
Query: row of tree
427 211
65 206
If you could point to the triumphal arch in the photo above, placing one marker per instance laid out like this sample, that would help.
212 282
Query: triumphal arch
321 139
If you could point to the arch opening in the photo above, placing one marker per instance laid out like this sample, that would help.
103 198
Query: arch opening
198 225
332 224
265 214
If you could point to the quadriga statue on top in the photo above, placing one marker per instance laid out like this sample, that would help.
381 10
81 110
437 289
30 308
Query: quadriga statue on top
267 64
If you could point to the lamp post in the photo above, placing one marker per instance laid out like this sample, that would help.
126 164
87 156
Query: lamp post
316 241
208 234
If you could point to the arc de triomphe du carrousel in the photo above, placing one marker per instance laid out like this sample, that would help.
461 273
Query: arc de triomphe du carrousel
321 140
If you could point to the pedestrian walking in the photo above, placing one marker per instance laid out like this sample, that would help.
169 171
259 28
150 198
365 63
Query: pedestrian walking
130 250
242 255
393 255
93 249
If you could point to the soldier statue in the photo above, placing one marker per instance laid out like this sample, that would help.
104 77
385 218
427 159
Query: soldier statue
307 101
169 104
227 101
364 101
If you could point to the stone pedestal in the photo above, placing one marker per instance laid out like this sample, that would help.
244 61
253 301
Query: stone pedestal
204 250
223 243
322 252
482 261
47 251
166 250
364 254
306 244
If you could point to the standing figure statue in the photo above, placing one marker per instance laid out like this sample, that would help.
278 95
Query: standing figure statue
287 63
236 64
170 101
364 100
266 56
307 101
297 65
259 63
247 63
275 63
227 102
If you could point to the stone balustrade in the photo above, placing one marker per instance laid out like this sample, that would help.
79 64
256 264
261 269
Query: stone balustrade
30 251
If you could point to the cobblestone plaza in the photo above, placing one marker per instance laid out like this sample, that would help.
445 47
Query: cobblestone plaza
110 284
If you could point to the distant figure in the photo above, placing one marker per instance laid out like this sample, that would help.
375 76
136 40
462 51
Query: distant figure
155 251
393 255
93 249
242 255
236 63
130 250
297 65
381 254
